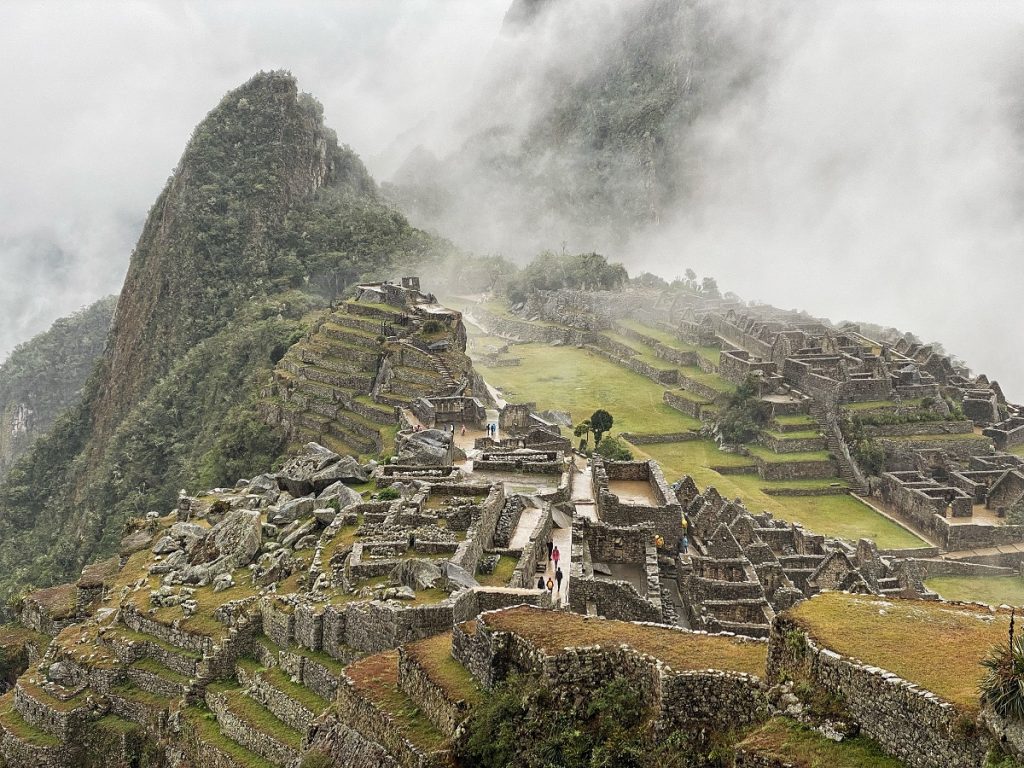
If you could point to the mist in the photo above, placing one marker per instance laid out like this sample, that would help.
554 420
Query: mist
100 99
862 161
873 173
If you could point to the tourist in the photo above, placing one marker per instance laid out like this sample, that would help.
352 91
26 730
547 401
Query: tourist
551 586
463 430
540 582
550 545
684 544
558 578
555 554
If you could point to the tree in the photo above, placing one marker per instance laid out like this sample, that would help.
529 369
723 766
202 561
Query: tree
691 278
601 421
582 431
710 286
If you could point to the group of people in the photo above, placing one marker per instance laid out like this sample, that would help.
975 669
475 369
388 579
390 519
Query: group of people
492 429
556 582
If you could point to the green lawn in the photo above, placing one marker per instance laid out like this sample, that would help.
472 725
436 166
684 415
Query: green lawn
807 434
712 380
711 354
937 646
1017 450
580 382
767 454
841 516
789 742
642 352
994 590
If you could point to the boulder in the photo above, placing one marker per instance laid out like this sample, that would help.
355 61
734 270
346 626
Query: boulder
418 574
398 593
230 544
298 532
263 484
346 470
136 542
325 516
166 545
273 566
222 581
62 673
429 448
344 495
296 476
458 577
292 510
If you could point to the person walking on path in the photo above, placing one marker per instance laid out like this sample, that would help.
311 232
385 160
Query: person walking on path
555 555
684 544
558 578
550 545
551 586
540 582
463 430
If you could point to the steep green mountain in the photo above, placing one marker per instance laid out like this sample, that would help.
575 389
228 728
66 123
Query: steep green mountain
45 376
265 219
585 141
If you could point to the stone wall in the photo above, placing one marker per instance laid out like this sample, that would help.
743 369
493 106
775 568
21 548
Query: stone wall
794 470
611 600
535 551
689 406
430 697
919 428
909 723
357 712
481 531
659 375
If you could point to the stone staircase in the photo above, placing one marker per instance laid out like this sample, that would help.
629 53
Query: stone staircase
847 470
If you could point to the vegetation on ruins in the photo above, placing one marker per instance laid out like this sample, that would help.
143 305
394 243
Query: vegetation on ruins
742 419
523 723
613 449
1002 687
551 271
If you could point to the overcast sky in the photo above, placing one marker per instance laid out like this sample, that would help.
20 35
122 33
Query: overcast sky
875 174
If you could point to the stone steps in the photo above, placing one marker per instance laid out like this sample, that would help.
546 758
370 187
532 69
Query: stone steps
366 326
253 726
318 672
289 701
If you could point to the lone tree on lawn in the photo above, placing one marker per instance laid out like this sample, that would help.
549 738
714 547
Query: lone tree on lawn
600 422
582 431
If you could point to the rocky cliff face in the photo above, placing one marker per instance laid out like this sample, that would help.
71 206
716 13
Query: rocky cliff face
46 375
205 247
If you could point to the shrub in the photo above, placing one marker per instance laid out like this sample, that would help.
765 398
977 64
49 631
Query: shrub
431 327
743 418
613 449
1002 688
388 494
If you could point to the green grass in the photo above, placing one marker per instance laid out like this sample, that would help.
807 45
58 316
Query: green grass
712 380
937 646
766 454
376 678
807 434
435 656
711 354
578 381
205 723
874 405
501 574
1017 450
994 590
840 516
300 693
798 418
789 742
256 715
155 667
12 721
642 352
680 650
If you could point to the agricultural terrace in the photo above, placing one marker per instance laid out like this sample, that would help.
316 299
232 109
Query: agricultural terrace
935 645
680 649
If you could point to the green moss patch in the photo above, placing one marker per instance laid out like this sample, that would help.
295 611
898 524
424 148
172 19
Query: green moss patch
789 742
